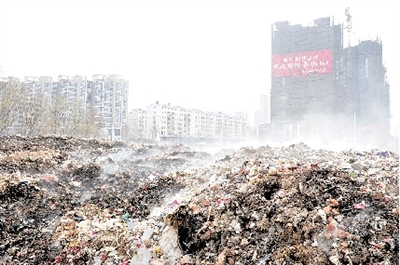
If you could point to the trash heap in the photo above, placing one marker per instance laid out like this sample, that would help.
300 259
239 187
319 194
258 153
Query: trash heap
75 201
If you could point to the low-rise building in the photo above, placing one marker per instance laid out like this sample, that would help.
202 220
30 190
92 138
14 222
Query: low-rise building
165 122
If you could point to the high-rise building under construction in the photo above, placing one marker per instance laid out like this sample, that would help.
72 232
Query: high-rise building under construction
319 90
370 93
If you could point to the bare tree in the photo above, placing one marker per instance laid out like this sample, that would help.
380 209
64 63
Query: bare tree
32 112
10 99
87 126
67 116
58 112
27 110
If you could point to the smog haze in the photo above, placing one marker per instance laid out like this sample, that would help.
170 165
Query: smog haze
207 55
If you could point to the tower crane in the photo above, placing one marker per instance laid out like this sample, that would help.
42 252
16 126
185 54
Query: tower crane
349 60
349 102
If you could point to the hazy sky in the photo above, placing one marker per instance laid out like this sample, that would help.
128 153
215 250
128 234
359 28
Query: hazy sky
209 55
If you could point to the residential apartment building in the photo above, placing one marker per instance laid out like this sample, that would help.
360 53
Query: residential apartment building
105 95
137 125
38 86
74 89
165 122
109 98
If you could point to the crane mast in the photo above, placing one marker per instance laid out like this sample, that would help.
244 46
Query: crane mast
349 66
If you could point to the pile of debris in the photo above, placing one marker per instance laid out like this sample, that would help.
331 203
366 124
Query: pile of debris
76 201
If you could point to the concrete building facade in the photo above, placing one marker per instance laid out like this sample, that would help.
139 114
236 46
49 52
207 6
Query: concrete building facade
263 115
306 83
370 93
319 90
109 97
38 86
137 125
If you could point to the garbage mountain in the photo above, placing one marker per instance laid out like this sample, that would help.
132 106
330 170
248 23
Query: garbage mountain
76 201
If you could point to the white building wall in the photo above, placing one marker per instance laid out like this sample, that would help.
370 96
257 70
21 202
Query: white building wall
110 93
165 120
136 122
265 109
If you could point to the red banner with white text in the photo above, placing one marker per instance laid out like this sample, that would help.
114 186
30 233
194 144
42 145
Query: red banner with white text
302 63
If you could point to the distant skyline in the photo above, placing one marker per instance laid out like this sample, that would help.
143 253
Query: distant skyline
208 55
